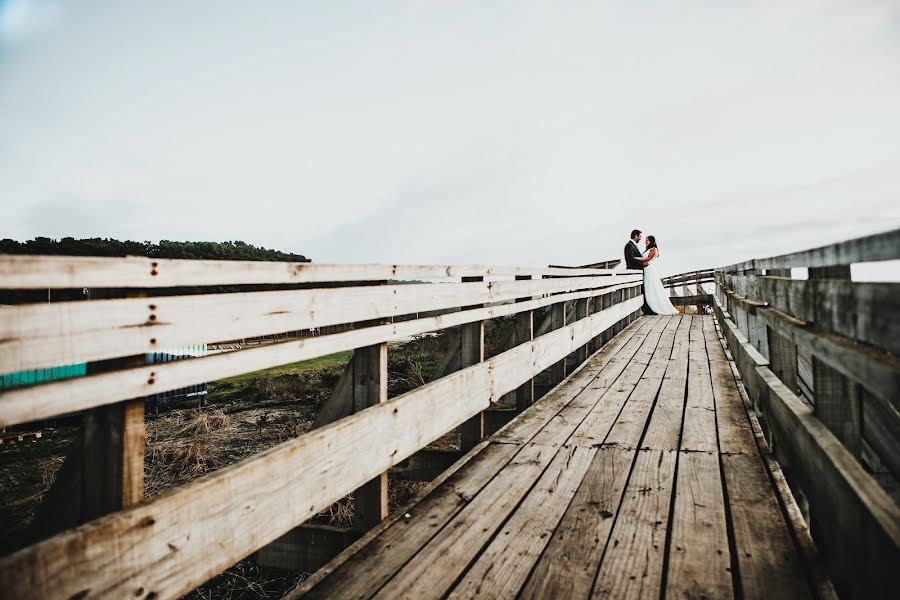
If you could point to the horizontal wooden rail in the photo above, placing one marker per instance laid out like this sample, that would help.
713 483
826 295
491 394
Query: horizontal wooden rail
168 545
45 335
71 395
60 272
859 525
872 248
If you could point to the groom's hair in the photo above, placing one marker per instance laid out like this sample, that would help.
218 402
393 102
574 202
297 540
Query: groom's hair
635 232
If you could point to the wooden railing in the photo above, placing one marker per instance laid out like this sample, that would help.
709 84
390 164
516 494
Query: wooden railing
819 360
124 546
683 282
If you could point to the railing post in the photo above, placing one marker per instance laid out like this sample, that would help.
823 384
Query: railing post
557 321
836 399
581 312
471 351
524 332
756 327
369 388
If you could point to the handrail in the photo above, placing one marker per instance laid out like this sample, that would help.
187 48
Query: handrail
871 248
819 360
162 547
61 272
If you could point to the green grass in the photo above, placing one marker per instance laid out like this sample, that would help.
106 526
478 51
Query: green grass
226 389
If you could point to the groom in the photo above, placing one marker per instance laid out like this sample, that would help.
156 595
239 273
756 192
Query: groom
633 260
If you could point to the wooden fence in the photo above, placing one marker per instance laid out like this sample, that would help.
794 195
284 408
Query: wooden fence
683 282
819 360
124 546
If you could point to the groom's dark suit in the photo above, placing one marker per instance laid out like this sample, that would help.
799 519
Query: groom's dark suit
633 261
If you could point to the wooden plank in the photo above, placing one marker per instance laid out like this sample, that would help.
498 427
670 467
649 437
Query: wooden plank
881 431
699 558
862 539
699 432
877 247
783 358
41 272
559 430
767 559
862 311
581 311
40 335
567 567
243 507
735 433
370 383
471 352
632 565
504 565
524 427
368 565
433 570
664 429
60 397
628 430
838 405
614 390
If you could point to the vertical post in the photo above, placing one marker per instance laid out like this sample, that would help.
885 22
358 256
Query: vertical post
524 332
756 326
112 442
471 351
557 321
369 387
581 312
837 399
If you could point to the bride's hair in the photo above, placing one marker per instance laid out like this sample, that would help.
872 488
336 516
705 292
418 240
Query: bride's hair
652 241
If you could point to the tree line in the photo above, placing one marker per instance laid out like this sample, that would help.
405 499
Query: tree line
70 246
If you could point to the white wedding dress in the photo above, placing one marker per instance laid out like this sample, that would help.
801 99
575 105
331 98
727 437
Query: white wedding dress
655 294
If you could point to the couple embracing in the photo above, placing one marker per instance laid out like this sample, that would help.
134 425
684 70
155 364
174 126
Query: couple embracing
656 300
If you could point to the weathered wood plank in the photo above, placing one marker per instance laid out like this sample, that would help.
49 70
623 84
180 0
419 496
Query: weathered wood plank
699 433
567 567
632 565
524 427
370 383
502 568
735 433
664 429
41 335
70 395
365 567
872 248
699 558
40 272
767 559
433 570
604 411
471 352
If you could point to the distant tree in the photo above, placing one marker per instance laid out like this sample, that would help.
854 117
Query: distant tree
236 250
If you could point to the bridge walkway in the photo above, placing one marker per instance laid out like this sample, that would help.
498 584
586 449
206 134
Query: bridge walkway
640 475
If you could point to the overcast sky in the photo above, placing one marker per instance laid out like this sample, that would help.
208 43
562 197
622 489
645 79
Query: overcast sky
453 132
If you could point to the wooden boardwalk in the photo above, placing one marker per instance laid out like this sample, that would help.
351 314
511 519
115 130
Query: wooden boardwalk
640 474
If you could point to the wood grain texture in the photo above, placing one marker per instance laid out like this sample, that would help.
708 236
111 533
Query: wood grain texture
699 558
567 567
632 566
60 397
503 566
56 272
41 335
432 572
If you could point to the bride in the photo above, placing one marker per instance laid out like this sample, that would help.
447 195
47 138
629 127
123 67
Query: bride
654 293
